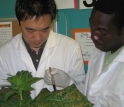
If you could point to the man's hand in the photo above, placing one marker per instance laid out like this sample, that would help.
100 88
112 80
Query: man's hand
61 78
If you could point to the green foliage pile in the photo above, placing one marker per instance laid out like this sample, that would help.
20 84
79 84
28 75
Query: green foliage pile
68 97
11 96
14 100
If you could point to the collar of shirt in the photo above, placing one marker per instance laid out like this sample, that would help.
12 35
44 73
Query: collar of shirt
110 57
35 57
29 49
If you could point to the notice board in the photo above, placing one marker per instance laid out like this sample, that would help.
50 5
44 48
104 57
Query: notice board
15 28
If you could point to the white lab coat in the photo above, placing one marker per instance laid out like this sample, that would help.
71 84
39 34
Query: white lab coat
60 52
105 88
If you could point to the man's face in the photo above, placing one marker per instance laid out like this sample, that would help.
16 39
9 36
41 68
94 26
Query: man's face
36 31
104 33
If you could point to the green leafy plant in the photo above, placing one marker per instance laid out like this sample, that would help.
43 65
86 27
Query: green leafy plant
20 83
18 94
68 97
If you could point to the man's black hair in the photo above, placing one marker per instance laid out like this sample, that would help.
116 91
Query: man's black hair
112 7
25 9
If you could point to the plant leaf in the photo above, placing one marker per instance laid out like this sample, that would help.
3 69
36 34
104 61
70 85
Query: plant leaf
27 100
27 88
9 94
33 80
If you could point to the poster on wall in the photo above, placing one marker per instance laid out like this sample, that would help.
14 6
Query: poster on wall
86 4
5 32
64 4
83 37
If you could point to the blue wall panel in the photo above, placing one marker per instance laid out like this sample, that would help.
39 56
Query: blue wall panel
75 19
7 8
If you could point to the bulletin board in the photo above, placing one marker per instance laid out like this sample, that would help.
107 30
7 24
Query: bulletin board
15 27
8 30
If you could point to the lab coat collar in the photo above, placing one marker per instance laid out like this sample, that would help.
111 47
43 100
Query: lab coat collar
51 42
97 52
19 41
98 55
120 57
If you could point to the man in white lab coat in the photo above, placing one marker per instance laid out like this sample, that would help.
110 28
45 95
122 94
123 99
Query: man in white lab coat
104 85
37 48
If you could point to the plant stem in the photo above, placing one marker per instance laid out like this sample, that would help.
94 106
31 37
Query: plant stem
21 98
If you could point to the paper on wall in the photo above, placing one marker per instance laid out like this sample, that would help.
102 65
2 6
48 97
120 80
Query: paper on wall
5 32
64 4
88 2
87 45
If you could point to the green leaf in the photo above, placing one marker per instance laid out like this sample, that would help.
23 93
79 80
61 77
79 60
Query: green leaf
27 88
32 80
9 94
27 101
14 100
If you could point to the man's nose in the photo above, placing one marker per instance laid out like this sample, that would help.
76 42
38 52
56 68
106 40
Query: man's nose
95 35
37 35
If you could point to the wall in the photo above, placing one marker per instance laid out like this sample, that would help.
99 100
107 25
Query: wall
7 9
75 19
